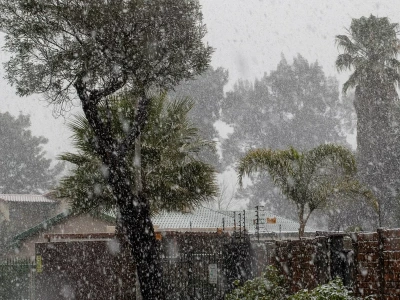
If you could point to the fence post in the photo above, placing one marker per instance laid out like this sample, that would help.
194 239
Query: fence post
381 263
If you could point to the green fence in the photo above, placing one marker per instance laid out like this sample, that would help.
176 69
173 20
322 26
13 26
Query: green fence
17 279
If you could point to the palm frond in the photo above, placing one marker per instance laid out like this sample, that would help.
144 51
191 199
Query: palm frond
279 165
173 176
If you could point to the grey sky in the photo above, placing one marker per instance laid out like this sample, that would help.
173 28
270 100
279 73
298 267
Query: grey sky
249 37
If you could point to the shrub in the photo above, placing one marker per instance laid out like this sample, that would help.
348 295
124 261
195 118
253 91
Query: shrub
334 290
269 286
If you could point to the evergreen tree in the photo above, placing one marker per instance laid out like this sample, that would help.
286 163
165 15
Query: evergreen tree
88 50
24 168
173 177
296 105
207 91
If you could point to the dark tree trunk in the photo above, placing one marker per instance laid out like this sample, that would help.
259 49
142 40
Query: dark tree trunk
133 207
138 230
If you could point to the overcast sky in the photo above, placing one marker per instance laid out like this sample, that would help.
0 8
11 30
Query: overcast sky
249 37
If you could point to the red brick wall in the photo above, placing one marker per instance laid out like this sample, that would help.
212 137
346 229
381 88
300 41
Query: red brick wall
377 264
376 270
366 262
304 262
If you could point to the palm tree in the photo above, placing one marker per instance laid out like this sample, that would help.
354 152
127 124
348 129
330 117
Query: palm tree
171 174
370 50
308 178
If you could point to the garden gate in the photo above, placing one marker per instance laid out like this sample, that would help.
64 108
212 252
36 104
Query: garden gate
200 274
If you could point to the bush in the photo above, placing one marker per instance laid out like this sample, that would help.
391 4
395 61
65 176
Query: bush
334 290
269 286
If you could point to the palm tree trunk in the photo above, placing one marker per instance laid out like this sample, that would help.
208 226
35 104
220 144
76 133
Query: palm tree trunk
301 229
374 144
302 223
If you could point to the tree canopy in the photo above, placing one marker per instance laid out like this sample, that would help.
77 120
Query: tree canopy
294 105
104 44
306 178
207 91
173 177
370 49
24 167
89 50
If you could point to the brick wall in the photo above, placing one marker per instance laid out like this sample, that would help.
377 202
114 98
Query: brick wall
375 270
304 262
366 258
377 264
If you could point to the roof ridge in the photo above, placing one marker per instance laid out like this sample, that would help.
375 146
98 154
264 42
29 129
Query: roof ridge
42 225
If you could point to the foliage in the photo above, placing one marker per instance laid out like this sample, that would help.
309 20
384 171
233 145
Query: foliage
334 290
370 50
106 43
173 178
295 104
92 49
23 166
306 178
269 286
207 90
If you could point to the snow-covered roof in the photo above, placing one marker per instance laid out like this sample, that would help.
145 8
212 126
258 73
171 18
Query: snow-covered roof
199 218
203 217
25 198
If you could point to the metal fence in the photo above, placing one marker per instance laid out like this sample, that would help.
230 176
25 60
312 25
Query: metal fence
17 279
205 274
194 276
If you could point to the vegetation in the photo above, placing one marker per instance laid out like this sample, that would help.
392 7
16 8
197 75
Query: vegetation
334 290
309 179
370 50
207 90
173 177
90 50
23 166
269 286
296 105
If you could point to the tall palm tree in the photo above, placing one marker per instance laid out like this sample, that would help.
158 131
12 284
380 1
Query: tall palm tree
171 174
370 50
308 178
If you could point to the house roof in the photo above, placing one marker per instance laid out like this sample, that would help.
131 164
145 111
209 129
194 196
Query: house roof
25 198
39 227
203 217
200 218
